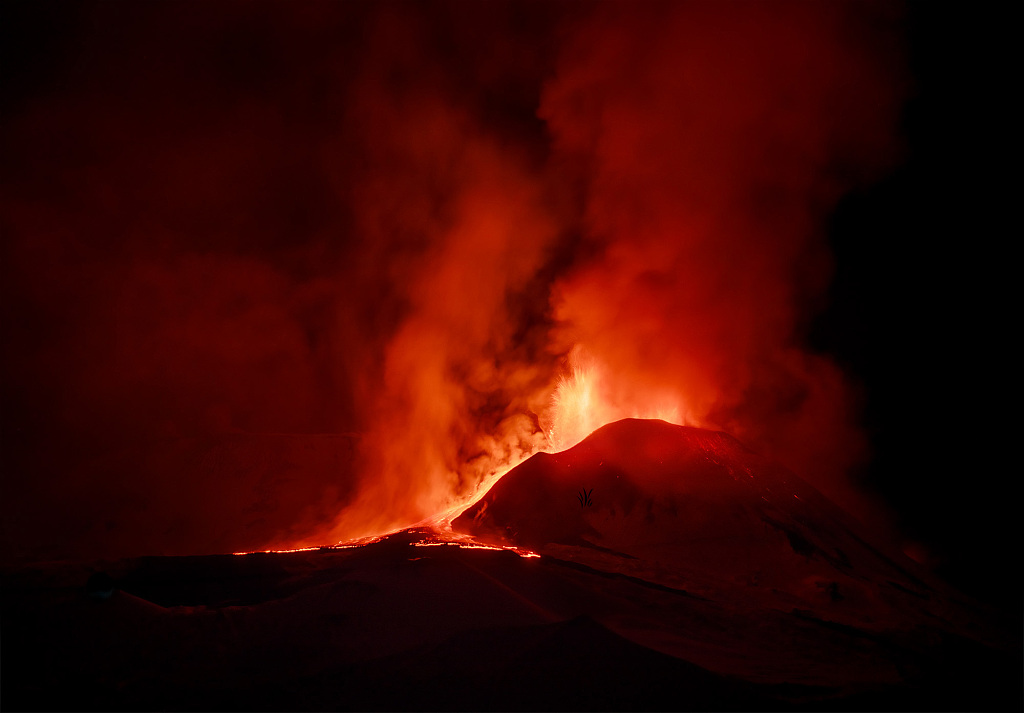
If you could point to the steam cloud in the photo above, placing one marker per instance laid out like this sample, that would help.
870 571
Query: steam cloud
401 223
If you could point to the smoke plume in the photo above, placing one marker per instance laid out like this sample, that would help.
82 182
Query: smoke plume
280 274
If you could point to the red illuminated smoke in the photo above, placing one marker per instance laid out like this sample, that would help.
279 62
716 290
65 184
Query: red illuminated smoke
409 224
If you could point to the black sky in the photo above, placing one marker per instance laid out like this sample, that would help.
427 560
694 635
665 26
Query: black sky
922 301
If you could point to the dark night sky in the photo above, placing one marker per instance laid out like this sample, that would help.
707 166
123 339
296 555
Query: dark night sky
915 314
921 301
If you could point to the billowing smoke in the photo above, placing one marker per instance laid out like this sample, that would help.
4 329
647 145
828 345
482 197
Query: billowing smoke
459 223
712 139
285 273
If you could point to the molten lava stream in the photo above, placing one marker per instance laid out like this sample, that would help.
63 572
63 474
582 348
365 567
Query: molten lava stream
439 527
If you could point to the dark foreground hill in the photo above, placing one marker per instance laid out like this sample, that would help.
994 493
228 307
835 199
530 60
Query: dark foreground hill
700 577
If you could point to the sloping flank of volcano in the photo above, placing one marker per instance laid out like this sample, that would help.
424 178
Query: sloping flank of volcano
696 510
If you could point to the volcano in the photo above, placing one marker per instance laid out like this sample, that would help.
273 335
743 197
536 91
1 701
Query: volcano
696 509
677 569
742 540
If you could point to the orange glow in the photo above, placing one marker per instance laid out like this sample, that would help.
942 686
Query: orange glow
588 397
297 549
453 539
349 544
440 537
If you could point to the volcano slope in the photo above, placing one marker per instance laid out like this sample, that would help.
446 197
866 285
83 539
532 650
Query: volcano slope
696 509
701 577
774 583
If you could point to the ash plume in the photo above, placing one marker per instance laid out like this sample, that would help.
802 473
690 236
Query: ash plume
400 224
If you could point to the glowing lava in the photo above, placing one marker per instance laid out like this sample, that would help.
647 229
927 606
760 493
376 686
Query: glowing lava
587 398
